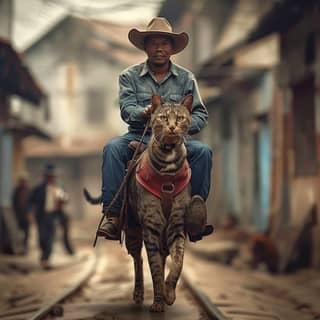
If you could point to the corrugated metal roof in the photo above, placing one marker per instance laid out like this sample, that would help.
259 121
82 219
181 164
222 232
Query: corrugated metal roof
109 40
283 15
34 18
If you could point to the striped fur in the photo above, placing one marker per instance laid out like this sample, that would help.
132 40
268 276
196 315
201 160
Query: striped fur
161 234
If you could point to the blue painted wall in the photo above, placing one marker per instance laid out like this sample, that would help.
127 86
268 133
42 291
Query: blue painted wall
263 156
6 159
264 171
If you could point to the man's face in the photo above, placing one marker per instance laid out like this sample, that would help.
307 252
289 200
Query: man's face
50 179
159 49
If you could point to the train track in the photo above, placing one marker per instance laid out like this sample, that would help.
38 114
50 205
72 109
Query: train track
211 309
31 293
101 284
97 294
54 305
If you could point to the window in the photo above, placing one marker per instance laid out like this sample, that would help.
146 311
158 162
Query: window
95 108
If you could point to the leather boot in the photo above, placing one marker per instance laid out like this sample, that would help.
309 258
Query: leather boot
110 228
196 219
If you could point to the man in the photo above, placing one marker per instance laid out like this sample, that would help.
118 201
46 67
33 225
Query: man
20 198
46 201
137 84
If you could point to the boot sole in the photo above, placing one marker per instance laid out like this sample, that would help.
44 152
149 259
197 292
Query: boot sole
207 231
103 233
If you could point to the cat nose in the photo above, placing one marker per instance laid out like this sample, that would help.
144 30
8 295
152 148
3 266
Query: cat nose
172 127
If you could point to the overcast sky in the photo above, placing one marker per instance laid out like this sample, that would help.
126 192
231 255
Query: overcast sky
32 18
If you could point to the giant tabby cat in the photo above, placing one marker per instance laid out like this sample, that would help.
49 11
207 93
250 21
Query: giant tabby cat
162 233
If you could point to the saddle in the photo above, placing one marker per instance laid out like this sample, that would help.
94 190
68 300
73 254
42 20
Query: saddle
159 183
164 186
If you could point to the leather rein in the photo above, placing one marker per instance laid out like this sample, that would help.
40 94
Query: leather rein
131 167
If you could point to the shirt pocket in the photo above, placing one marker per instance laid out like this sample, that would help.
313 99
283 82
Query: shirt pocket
143 98
176 98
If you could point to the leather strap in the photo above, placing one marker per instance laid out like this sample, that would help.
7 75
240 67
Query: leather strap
165 186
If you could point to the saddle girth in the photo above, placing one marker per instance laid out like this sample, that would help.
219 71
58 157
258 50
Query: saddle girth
165 186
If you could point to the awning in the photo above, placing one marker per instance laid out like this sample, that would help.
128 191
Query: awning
281 16
15 77
26 130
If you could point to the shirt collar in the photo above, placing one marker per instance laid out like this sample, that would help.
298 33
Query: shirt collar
173 69
145 69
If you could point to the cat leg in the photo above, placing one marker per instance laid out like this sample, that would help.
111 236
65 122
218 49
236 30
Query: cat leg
176 253
152 237
176 243
134 247
164 258
138 293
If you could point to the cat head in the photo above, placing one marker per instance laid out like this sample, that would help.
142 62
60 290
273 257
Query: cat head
170 122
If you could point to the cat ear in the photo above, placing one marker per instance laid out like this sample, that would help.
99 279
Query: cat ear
187 102
155 102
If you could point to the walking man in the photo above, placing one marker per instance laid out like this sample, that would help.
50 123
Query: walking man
20 198
45 201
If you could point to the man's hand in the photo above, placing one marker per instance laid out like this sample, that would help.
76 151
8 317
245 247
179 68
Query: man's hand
147 111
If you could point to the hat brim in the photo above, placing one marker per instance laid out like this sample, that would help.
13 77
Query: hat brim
137 38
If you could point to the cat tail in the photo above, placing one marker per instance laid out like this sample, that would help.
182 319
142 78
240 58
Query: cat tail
90 198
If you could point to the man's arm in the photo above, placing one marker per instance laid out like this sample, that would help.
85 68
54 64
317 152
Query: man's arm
199 113
131 112
14 199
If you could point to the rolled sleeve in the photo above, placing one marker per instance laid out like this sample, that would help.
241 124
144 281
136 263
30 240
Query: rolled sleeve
199 113
131 112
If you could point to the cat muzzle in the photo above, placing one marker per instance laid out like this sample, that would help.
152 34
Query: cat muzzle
167 147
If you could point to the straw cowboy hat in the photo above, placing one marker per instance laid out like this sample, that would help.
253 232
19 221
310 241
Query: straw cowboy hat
159 26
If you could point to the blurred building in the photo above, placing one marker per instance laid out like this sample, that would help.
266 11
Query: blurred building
234 98
23 113
79 62
258 68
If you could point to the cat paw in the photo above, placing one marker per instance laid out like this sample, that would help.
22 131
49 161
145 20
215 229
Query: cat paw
138 296
170 295
157 307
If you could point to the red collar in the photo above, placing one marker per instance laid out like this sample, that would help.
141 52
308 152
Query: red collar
160 184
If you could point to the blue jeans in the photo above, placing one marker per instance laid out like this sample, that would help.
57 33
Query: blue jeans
116 154
46 234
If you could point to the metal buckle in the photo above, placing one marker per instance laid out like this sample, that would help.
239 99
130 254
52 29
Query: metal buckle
167 188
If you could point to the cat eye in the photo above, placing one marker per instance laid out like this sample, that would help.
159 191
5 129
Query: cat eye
163 117
180 118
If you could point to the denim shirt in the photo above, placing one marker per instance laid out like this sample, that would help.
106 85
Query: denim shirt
138 84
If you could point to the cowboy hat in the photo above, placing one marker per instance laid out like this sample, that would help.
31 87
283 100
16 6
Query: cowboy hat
158 26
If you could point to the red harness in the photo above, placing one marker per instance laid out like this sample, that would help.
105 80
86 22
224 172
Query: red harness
163 185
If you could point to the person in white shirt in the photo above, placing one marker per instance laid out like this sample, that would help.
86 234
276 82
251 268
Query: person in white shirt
47 204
